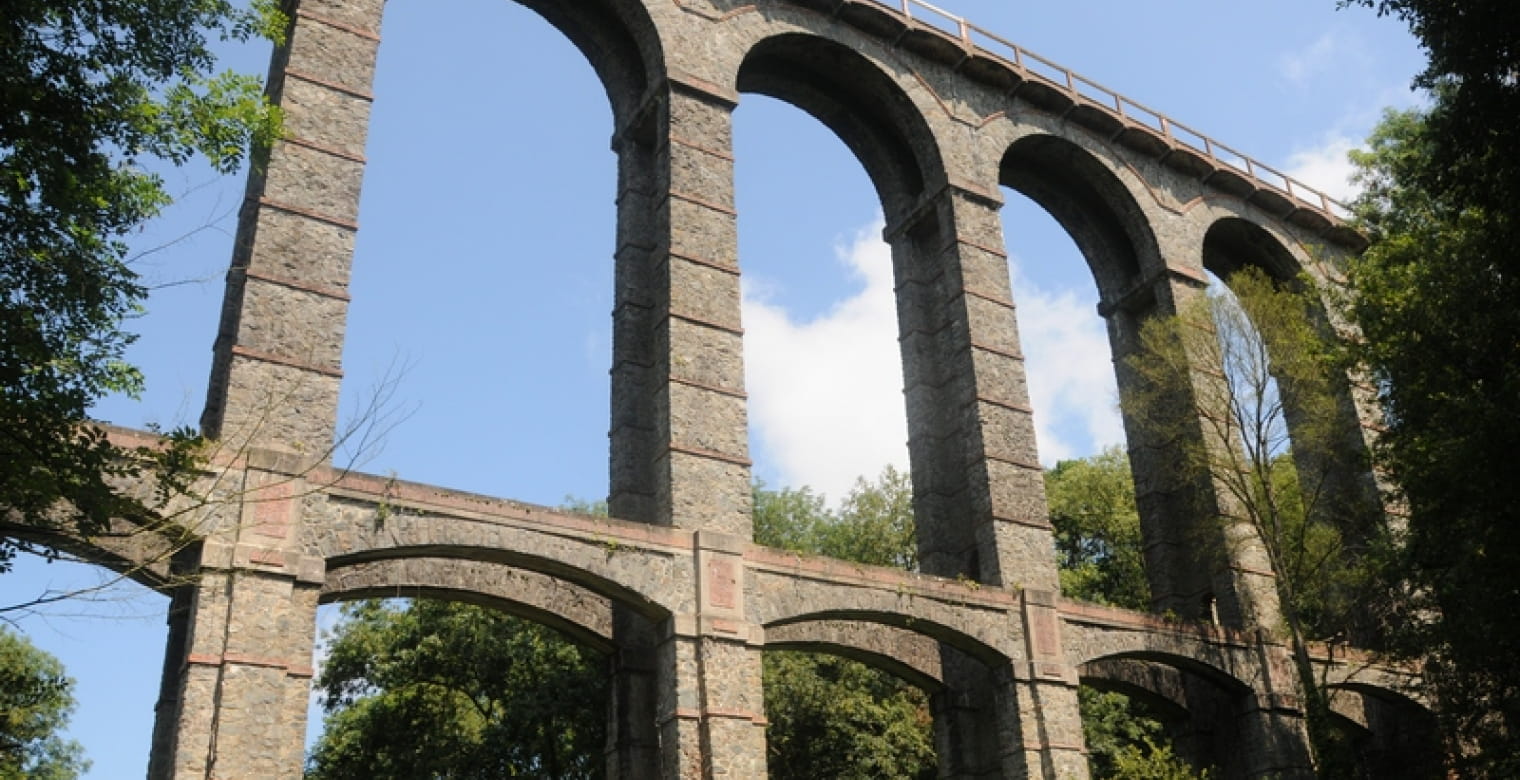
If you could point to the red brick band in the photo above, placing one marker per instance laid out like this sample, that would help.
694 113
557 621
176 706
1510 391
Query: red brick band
325 292
267 357
346 224
332 85
337 25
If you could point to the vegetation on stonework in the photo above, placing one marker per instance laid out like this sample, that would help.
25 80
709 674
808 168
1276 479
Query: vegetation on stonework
35 702
1239 358
1435 298
91 93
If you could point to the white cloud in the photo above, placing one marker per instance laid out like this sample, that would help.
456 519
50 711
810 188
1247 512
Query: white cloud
1331 53
1298 65
1323 163
1070 372
1326 167
826 402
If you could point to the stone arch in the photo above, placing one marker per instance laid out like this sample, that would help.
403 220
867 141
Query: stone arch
618 39
1210 715
601 581
564 606
978 626
1392 733
1202 668
1232 243
928 624
902 652
859 102
1158 686
1095 207
1098 208
969 684
145 556
1380 690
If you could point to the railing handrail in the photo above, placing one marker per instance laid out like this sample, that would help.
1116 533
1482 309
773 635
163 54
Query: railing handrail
1124 108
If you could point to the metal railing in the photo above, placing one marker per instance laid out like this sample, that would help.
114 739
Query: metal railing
1092 93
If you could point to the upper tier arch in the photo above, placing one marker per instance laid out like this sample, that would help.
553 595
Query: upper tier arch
856 99
1097 210
620 41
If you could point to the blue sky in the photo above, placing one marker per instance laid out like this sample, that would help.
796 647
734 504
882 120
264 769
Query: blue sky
483 269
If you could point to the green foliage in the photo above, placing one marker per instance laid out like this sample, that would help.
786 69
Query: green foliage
1111 724
1097 530
442 689
835 718
790 518
1241 359
89 91
1149 761
1472 69
35 701
1124 740
1435 297
1254 348
874 525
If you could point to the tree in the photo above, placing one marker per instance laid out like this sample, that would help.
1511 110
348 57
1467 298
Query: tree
1097 530
1473 69
1150 761
444 689
35 701
833 717
1125 741
836 718
1098 548
1241 359
1434 295
874 525
89 92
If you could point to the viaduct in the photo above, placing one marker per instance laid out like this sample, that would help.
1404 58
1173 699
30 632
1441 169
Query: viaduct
672 588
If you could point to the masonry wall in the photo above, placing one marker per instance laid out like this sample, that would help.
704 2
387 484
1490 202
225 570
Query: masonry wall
685 601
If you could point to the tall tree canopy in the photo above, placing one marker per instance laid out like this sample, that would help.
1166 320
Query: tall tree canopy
1473 69
1435 297
35 702
90 92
